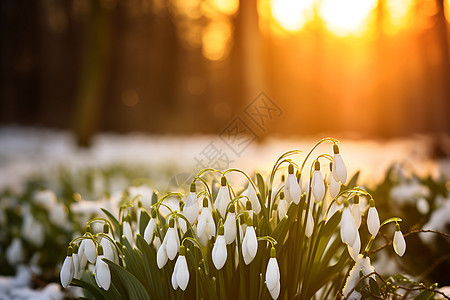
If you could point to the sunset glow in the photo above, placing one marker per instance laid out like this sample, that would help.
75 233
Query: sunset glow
292 15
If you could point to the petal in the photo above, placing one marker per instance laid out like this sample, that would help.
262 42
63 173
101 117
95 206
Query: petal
318 186
103 274
356 213
76 266
174 275
172 245
67 271
182 272
252 242
309 224
210 223
272 273
191 209
149 231
399 243
222 200
293 189
276 291
348 227
230 228
373 221
161 256
251 194
90 250
339 169
201 227
335 186
128 232
219 252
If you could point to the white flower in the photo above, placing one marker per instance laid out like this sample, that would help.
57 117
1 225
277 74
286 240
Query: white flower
251 194
354 249
102 273
171 240
87 247
76 262
108 249
356 211
399 241
14 253
67 269
180 275
292 187
348 226
422 206
335 186
32 230
283 206
127 231
150 230
161 256
317 184
191 209
309 223
273 275
249 244
339 170
373 221
230 226
219 251
206 226
58 215
223 198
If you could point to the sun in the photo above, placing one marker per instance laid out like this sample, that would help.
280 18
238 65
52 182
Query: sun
292 15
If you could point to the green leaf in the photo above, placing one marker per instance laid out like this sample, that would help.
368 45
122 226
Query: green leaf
133 286
113 220
145 218
425 295
374 288
93 290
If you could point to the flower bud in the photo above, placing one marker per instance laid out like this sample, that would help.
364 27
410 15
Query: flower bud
399 241
373 220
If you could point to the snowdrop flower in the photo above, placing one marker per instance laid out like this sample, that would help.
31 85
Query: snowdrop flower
127 231
32 230
363 266
334 207
230 225
67 269
251 194
348 226
108 249
180 275
161 255
356 211
171 240
87 247
334 185
76 262
339 169
150 229
249 243
283 206
373 221
191 209
14 253
317 184
206 226
102 273
292 187
219 251
223 197
354 249
399 241
273 275
309 223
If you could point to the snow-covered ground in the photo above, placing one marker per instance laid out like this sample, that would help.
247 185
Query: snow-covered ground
30 151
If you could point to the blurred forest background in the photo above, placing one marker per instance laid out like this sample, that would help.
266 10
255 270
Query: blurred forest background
372 68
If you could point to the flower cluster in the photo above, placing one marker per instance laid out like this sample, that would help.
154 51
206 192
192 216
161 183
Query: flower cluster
231 232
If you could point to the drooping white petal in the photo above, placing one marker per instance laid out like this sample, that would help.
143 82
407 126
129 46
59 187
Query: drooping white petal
399 243
292 189
174 274
102 273
373 221
245 254
318 186
354 249
67 271
272 274
251 194
219 252
89 250
149 231
335 186
128 232
283 207
108 249
161 256
191 208
202 220
356 213
309 224
252 242
276 291
182 273
339 169
211 226
14 253
222 200
348 227
230 228
76 266
172 244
